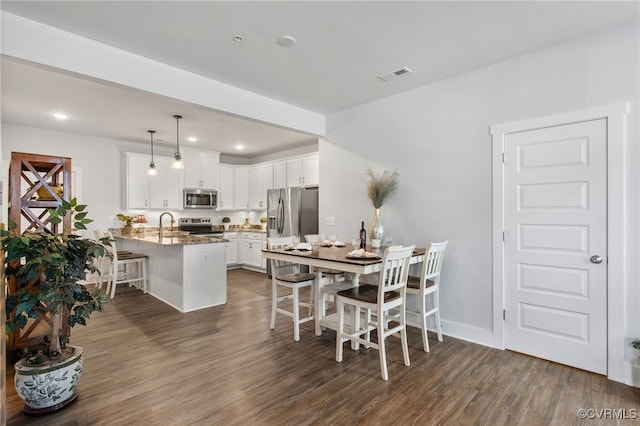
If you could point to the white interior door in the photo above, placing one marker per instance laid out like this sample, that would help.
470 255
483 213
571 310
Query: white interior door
555 234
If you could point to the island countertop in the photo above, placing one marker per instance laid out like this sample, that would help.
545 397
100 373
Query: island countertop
173 238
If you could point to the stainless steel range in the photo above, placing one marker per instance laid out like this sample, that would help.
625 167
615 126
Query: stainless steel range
198 226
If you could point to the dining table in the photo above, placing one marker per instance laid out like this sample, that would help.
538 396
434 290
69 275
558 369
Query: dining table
334 257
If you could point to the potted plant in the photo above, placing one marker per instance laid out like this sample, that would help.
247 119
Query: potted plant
263 223
379 189
636 345
47 268
225 221
128 223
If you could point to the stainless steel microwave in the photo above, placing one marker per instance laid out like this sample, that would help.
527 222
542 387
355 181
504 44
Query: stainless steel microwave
195 198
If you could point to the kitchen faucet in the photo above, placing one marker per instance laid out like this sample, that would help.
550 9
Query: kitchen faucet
171 226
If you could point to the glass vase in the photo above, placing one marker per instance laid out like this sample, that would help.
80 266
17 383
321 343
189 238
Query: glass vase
376 229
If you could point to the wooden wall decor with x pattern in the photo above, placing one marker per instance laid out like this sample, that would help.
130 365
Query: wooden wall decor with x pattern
33 179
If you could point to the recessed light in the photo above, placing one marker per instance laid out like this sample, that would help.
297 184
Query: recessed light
59 116
286 41
238 38
239 147
192 139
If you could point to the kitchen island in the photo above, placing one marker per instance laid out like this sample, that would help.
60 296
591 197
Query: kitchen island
186 272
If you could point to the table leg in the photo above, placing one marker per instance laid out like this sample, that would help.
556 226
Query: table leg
355 314
319 306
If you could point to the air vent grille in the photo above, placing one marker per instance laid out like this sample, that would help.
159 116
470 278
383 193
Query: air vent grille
394 74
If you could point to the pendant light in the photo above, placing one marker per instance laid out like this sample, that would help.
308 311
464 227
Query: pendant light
177 157
152 165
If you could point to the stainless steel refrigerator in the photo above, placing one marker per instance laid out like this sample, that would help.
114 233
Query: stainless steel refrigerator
292 212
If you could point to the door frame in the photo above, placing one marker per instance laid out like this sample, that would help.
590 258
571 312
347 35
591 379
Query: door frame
615 115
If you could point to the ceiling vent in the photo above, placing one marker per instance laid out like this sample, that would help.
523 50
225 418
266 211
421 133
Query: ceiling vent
394 74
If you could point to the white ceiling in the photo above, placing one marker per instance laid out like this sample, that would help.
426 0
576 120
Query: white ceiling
341 49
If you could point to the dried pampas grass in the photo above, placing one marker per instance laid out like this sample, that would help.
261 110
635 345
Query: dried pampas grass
381 186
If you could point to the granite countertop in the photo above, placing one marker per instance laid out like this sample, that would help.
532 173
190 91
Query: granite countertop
253 228
172 238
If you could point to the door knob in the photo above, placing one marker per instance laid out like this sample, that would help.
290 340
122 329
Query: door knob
596 259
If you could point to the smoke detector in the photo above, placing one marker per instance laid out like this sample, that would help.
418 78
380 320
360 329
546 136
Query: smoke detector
394 74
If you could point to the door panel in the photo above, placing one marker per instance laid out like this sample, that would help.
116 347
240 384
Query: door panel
555 220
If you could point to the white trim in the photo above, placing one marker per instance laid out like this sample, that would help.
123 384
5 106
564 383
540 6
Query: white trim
615 115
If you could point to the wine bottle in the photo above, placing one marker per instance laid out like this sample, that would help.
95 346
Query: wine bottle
363 237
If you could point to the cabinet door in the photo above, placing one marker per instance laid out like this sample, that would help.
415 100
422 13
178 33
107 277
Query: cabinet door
137 181
260 180
232 252
165 189
210 170
227 188
201 169
241 200
252 252
294 172
310 171
280 174
173 186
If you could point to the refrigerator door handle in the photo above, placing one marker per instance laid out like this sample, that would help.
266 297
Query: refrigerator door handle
280 216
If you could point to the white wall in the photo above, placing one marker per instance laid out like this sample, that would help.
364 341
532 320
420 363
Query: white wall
437 138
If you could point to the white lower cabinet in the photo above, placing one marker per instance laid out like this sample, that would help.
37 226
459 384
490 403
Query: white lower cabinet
232 247
251 250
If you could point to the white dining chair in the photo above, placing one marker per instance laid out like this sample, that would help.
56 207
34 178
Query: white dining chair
426 286
386 301
330 275
287 275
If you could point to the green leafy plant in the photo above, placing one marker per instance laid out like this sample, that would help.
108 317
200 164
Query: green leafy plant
381 186
226 219
47 268
636 344
128 220
263 219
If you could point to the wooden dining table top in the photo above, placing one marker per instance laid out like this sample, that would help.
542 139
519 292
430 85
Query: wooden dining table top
336 254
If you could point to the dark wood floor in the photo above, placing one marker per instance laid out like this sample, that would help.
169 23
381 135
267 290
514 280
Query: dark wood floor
145 363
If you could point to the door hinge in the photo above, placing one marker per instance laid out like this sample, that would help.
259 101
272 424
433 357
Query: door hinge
504 314
503 236
504 158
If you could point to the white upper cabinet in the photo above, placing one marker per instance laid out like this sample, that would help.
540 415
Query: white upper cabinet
241 200
166 186
260 180
201 169
136 181
304 171
227 187
162 191
280 174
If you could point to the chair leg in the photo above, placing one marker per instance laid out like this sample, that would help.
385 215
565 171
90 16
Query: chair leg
382 348
340 328
436 302
143 265
423 319
296 314
274 302
403 336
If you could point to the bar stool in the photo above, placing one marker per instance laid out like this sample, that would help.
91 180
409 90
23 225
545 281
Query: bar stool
384 300
293 280
428 284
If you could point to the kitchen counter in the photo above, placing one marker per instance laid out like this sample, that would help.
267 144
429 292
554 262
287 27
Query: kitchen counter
186 272
174 238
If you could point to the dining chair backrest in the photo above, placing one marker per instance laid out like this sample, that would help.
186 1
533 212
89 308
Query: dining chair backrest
274 243
432 263
395 269
314 238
